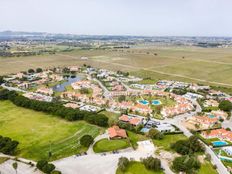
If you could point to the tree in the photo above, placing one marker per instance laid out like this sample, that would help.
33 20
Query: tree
152 163
121 98
86 140
1 80
123 162
225 105
186 164
41 163
31 71
155 134
84 91
189 146
45 167
39 70
48 168
15 166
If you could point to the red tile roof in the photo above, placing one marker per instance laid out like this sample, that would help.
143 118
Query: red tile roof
115 131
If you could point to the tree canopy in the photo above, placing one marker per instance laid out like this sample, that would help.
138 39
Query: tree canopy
188 164
225 105
86 140
190 146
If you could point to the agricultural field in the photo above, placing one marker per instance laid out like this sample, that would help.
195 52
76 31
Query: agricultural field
203 65
38 133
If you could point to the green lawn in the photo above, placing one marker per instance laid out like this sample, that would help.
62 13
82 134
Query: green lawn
113 117
137 168
168 140
207 168
36 131
134 138
106 145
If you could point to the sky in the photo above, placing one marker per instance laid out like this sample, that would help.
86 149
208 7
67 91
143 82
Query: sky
119 17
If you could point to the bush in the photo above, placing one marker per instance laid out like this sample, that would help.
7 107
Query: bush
39 70
225 105
7 145
186 164
155 134
31 71
86 140
123 162
190 146
45 167
152 163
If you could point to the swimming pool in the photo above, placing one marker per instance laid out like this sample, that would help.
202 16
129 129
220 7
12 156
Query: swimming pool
156 102
144 130
143 102
219 143
211 116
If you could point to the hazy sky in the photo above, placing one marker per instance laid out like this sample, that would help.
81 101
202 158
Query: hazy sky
119 17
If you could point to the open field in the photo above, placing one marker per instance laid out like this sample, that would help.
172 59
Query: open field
166 142
204 65
137 168
106 145
36 131
207 168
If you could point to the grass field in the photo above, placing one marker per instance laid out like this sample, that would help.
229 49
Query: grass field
113 117
106 145
168 140
134 138
207 168
137 168
204 65
36 131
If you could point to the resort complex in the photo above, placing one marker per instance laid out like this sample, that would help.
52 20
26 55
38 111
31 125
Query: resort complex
128 118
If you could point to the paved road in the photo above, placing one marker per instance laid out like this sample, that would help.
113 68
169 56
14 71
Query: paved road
12 88
6 168
107 164
106 91
177 121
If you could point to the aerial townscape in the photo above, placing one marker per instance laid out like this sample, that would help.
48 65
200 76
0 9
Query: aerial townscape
116 87
124 122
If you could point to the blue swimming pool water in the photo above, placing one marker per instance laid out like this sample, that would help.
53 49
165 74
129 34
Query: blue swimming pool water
156 102
226 159
144 130
144 102
219 143
211 116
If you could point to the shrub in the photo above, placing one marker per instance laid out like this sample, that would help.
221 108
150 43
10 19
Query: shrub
123 162
186 164
189 146
225 105
45 167
86 140
152 163
155 134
